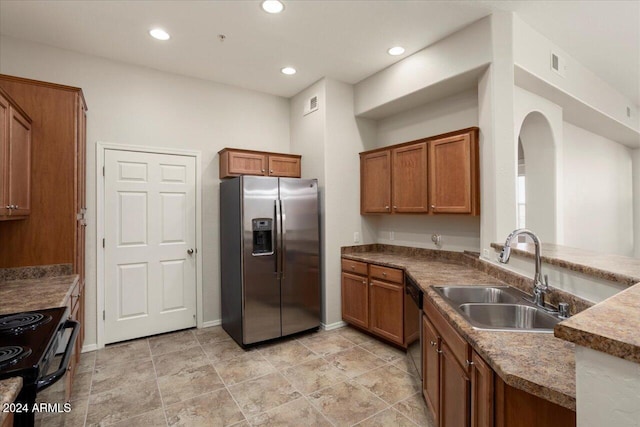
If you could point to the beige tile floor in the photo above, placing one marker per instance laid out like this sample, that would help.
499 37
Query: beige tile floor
203 378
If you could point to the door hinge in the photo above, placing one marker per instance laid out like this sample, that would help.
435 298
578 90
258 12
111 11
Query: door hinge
103 243
103 171
103 315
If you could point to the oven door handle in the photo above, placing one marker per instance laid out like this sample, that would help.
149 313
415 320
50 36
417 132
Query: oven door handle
48 380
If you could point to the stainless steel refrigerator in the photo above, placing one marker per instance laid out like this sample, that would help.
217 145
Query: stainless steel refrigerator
269 257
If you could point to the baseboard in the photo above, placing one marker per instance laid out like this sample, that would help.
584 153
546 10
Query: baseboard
89 347
212 323
332 326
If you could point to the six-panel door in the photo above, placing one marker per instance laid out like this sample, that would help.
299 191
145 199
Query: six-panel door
150 262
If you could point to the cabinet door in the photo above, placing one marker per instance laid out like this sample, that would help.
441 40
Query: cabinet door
241 163
481 393
410 179
375 182
431 367
284 166
355 300
19 163
450 174
454 391
386 310
4 152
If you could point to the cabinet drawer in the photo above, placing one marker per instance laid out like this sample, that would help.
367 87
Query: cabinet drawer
355 267
386 273
458 345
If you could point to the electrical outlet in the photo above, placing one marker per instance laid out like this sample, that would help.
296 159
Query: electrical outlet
485 253
392 235
356 237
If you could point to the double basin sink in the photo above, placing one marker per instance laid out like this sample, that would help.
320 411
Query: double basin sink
498 308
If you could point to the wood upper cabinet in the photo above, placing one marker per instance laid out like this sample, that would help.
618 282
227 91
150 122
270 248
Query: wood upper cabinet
434 175
375 182
452 174
15 160
410 179
236 162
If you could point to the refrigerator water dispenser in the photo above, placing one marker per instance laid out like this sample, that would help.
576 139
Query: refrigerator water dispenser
262 236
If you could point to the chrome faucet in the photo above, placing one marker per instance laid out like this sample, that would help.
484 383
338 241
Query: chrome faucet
540 284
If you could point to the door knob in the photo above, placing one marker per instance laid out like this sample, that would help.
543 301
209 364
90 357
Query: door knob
190 251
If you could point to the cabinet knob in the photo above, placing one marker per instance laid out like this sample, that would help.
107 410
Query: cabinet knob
8 207
395 207
364 282
384 274
270 170
433 206
469 363
386 207
262 170
353 267
16 207
433 343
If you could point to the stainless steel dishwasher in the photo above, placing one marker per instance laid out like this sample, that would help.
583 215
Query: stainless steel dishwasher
414 351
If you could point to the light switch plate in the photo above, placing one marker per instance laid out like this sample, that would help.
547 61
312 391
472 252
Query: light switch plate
356 237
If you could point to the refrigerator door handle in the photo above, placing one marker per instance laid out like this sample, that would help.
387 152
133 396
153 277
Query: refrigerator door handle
276 237
283 235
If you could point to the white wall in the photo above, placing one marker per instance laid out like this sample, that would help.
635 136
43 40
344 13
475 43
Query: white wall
635 154
532 51
134 105
461 52
607 390
598 193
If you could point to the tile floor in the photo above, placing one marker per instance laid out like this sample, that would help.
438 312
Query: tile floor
203 378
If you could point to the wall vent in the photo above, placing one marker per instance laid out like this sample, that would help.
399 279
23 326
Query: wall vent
557 64
311 105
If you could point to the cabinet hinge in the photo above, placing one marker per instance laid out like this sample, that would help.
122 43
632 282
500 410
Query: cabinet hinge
103 243
103 315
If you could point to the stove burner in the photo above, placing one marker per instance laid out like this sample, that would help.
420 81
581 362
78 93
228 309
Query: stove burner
17 323
11 354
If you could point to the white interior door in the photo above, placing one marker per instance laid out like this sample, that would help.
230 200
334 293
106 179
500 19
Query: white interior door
150 236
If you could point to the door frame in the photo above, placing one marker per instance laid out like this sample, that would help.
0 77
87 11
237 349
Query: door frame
101 148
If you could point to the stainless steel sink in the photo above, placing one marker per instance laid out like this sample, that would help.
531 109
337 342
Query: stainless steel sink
487 294
509 317
501 308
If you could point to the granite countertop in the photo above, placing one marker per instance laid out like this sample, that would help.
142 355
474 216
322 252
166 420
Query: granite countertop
537 363
35 294
9 389
610 327
617 268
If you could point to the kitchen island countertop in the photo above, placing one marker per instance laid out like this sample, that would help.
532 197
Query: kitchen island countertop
537 363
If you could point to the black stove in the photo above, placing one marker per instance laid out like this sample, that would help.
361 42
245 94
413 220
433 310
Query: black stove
28 344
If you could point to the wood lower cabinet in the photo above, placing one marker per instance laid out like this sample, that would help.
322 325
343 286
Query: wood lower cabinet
374 299
15 160
482 391
434 175
461 390
236 162
76 307
355 300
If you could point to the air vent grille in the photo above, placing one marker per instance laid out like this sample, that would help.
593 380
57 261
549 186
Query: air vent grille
311 105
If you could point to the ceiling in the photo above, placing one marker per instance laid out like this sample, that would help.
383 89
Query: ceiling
345 40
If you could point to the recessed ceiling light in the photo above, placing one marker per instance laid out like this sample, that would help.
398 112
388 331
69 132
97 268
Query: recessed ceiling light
395 51
272 6
159 34
288 71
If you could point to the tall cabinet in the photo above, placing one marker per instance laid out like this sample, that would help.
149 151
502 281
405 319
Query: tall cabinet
54 232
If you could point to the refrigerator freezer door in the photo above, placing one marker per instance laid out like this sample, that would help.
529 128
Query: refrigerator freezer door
261 287
301 255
